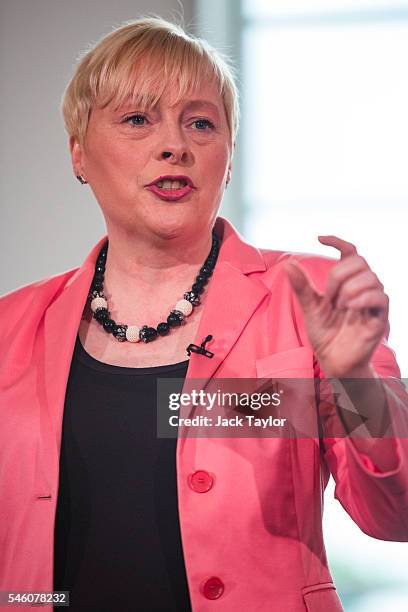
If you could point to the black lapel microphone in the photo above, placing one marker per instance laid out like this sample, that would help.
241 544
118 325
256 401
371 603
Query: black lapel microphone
200 350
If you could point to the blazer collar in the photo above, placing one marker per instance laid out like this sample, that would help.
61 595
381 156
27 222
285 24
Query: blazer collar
235 251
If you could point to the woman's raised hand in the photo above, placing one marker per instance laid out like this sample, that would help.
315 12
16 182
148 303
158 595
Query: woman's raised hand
348 321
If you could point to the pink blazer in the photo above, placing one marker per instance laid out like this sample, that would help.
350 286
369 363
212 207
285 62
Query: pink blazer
250 508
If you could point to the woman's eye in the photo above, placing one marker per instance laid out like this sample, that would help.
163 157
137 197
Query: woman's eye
202 124
135 120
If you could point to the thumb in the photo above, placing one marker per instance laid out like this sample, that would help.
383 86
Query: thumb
301 285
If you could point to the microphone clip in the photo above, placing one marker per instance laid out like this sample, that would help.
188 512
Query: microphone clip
201 350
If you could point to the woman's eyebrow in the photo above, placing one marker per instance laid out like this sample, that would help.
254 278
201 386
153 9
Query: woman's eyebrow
130 102
197 104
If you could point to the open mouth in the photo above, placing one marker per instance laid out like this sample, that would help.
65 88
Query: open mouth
170 184
171 189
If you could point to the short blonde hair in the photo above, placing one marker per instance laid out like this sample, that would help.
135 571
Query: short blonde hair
139 60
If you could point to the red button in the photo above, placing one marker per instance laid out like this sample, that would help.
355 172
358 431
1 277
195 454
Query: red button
213 588
201 481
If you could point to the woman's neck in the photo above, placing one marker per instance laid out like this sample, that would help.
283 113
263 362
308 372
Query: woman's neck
153 274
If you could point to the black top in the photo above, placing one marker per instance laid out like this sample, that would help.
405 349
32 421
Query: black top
117 534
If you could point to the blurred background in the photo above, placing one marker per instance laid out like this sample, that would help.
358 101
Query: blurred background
322 150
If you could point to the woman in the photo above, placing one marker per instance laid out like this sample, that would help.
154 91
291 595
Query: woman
93 502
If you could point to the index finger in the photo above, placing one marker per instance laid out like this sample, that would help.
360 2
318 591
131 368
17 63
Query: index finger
345 248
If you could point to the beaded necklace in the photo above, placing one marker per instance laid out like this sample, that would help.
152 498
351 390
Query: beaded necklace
183 308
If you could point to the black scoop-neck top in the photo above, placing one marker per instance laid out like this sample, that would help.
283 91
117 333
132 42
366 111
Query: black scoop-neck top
117 535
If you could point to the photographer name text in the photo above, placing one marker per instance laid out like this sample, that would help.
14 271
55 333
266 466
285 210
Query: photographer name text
235 421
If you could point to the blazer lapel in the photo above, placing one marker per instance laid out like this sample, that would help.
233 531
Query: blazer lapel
232 298
62 320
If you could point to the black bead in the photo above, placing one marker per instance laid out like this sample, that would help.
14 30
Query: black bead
119 331
97 285
205 271
202 279
197 288
101 314
99 276
100 270
173 320
180 315
147 334
163 329
192 297
109 325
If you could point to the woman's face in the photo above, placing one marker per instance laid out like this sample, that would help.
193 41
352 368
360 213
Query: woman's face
125 151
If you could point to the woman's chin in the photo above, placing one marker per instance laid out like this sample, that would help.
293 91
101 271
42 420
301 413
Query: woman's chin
174 223
174 230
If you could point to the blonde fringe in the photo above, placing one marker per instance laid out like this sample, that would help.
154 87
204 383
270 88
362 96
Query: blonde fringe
138 62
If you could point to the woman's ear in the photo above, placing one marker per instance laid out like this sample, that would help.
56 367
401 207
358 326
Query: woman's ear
76 157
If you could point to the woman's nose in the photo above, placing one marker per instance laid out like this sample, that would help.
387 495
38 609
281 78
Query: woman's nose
175 155
173 146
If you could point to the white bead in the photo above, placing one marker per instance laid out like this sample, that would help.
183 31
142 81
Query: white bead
98 302
185 307
132 333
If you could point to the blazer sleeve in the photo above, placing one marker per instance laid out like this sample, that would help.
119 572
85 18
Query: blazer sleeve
377 501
